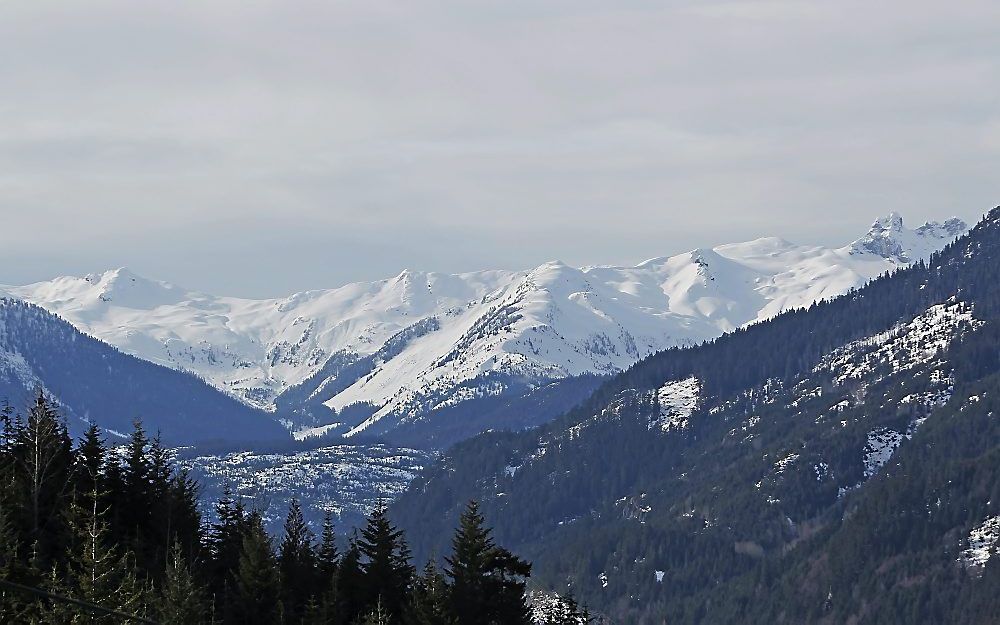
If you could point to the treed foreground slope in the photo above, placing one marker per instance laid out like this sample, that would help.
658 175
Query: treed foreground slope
91 380
832 465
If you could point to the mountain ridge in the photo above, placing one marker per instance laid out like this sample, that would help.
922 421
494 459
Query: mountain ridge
399 350
93 382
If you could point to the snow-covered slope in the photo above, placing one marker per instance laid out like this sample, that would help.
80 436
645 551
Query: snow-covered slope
394 351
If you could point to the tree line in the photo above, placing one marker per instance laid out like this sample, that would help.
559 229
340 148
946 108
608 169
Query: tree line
91 533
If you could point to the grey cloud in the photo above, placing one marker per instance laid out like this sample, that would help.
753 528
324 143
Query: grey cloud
313 143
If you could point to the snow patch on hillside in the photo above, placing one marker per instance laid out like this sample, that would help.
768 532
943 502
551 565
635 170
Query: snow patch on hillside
785 462
982 542
902 348
549 607
882 442
677 400
16 366
316 432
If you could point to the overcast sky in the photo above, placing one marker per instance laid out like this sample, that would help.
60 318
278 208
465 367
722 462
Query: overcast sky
258 148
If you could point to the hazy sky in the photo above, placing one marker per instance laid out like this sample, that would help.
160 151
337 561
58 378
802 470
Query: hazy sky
257 148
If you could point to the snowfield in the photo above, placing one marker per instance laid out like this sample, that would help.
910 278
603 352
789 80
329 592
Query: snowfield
982 542
678 401
407 346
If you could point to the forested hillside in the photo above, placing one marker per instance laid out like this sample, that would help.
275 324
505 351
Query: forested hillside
836 464
93 381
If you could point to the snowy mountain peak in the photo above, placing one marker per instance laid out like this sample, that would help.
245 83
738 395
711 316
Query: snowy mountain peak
128 289
889 238
893 222
121 286
950 229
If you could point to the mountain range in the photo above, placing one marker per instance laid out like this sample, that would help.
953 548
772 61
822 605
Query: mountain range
428 358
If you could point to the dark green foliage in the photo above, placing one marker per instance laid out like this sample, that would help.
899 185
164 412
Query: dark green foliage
328 554
95 571
88 467
430 599
182 600
43 461
225 542
257 581
297 563
487 582
385 565
120 530
325 605
351 591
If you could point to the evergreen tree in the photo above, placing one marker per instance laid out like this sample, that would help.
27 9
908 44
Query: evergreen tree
95 572
256 600
162 533
386 565
136 498
488 582
429 596
225 543
185 516
350 584
11 603
89 463
328 554
181 600
297 563
327 604
377 615
43 462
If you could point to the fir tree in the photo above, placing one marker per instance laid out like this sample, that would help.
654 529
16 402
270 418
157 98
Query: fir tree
225 543
327 604
96 572
161 524
328 554
256 600
135 499
487 581
89 462
11 603
185 515
350 584
429 596
43 471
181 599
386 566
297 562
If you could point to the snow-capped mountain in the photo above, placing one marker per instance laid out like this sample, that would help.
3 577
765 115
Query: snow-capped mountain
369 357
